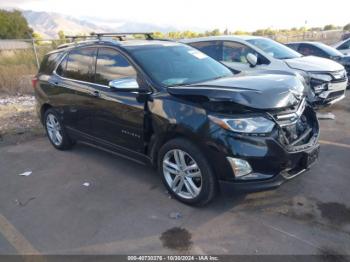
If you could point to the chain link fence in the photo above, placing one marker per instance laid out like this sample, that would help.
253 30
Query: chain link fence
19 61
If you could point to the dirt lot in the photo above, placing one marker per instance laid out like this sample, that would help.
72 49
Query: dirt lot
18 121
123 207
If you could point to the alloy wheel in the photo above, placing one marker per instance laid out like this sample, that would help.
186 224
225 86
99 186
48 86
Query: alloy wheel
182 174
54 129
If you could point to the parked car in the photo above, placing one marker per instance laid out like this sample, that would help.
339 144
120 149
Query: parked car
322 50
170 105
327 79
343 46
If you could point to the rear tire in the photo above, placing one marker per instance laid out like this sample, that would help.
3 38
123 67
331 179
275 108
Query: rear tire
55 130
186 173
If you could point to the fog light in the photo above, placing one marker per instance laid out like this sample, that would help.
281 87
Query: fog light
240 167
323 95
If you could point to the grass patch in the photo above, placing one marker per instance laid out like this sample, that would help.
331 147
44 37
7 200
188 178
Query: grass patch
17 67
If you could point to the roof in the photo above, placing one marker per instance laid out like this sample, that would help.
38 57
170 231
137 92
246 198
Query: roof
221 37
304 42
13 44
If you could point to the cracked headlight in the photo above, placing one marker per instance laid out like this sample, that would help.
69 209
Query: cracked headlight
257 124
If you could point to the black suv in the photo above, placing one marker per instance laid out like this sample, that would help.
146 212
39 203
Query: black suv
168 104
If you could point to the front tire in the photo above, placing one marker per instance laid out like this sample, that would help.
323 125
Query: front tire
55 130
186 172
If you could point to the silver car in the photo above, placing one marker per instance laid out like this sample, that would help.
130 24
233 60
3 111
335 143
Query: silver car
327 79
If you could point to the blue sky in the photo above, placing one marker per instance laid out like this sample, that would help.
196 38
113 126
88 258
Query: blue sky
201 14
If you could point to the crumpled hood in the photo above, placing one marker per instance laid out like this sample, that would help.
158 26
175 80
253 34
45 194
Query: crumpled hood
270 91
313 63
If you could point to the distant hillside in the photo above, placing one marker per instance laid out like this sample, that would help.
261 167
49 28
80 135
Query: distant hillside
48 24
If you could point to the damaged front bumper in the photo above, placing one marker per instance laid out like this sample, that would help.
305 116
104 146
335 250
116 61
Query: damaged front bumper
333 93
267 180
274 158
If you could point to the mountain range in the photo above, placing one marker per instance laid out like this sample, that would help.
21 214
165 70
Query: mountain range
48 24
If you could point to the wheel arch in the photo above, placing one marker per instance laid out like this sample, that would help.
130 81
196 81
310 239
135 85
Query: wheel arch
43 109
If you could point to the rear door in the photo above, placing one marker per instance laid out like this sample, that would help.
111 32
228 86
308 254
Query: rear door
75 74
118 115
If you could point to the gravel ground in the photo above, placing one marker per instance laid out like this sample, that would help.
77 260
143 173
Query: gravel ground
18 120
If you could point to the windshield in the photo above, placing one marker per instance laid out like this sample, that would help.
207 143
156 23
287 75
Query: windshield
328 49
171 65
274 48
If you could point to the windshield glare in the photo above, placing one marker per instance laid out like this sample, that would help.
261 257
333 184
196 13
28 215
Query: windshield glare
178 65
274 48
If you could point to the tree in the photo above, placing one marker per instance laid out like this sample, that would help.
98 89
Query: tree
346 27
329 27
13 25
215 32
37 37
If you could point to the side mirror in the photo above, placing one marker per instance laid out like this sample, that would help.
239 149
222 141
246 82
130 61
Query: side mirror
252 59
125 84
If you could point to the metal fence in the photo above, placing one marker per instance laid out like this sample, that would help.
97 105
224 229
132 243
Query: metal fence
19 61
327 37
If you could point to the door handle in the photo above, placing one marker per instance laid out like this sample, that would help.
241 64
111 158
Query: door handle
95 93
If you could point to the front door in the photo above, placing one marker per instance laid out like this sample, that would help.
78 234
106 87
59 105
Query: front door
234 55
118 115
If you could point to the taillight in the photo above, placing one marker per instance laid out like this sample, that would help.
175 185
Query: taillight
34 81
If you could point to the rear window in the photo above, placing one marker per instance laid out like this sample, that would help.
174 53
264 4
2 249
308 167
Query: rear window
80 64
49 63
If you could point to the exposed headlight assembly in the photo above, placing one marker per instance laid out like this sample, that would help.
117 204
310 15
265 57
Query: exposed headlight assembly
319 82
323 77
255 125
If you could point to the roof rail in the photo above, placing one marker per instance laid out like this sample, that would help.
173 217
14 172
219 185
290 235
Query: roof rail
98 37
73 37
148 35
76 43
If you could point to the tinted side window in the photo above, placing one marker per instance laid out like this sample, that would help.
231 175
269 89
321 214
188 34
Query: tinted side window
80 64
49 63
345 45
211 48
293 46
237 52
61 69
311 50
111 65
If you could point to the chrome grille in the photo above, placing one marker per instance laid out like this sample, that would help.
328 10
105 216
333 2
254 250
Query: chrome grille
291 118
297 127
